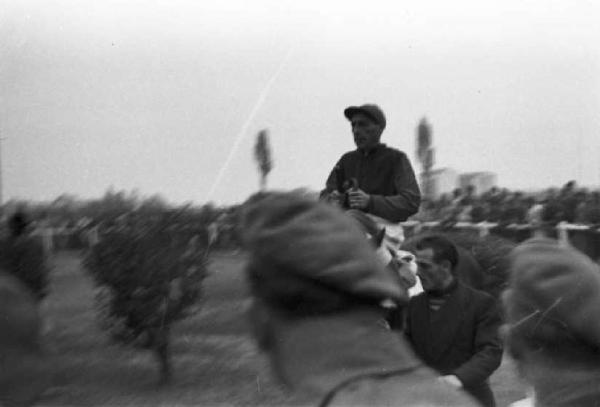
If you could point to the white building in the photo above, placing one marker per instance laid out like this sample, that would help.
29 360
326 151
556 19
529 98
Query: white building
482 181
443 181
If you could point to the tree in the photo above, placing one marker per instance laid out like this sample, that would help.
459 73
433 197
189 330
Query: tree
149 271
425 154
262 155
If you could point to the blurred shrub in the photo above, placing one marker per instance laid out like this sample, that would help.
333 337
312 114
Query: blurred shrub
149 274
491 252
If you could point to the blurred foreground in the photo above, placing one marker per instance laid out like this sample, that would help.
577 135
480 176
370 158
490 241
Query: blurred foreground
215 361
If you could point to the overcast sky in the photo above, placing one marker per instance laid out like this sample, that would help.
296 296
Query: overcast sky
167 96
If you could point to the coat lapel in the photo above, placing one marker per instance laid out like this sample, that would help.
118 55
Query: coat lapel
419 324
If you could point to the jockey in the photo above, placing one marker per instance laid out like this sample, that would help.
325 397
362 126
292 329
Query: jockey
374 178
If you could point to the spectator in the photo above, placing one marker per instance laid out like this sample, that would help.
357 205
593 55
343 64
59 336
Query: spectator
552 329
588 211
515 209
469 196
504 207
446 209
568 201
316 287
427 211
464 212
534 213
23 256
453 328
481 212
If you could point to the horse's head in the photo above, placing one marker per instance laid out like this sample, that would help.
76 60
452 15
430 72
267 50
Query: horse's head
402 263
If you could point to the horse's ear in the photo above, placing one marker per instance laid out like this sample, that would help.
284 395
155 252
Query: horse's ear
379 237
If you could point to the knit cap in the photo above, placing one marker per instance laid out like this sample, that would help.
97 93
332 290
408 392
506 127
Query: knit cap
553 299
297 244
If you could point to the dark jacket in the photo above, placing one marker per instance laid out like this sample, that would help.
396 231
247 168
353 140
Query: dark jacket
353 359
461 338
384 173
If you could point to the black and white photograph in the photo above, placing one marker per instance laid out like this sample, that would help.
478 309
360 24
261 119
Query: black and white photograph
299 203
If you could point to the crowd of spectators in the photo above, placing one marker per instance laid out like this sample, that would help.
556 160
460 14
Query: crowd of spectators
570 204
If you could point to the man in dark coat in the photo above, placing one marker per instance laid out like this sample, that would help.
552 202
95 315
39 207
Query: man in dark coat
453 328
374 178
317 286
468 270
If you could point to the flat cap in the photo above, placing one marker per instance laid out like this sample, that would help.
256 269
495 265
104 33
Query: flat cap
371 110
293 238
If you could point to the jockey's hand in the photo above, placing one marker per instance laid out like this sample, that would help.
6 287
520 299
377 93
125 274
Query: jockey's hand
358 199
452 380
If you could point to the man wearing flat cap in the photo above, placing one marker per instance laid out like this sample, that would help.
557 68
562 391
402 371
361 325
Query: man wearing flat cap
317 287
552 328
374 178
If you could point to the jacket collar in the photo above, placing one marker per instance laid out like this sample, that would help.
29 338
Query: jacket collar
373 150
316 354
441 327
445 291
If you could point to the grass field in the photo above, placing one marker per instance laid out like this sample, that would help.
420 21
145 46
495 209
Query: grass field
215 361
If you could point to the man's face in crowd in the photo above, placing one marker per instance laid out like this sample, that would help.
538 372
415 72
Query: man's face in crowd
433 275
366 132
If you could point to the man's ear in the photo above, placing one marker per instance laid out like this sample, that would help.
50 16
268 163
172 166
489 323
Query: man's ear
259 318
